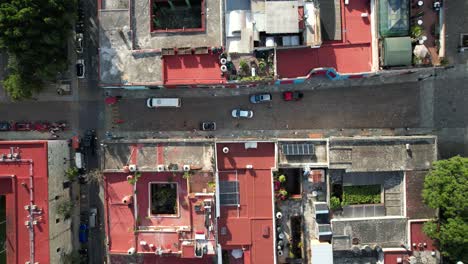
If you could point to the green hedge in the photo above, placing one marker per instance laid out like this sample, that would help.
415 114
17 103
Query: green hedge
366 194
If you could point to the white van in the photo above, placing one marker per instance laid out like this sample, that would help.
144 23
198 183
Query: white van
163 102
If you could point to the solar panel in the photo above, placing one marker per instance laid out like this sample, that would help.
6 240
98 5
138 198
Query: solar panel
229 192
297 149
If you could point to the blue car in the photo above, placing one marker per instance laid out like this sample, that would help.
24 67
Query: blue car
83 233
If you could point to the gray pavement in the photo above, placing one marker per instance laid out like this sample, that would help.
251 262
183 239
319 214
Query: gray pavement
387 106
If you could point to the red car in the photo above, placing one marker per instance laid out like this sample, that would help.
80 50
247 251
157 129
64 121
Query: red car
22 126
292 96
41 126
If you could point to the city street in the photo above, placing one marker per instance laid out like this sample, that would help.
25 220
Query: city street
361 107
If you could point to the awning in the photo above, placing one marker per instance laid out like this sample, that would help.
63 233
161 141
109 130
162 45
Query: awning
397 51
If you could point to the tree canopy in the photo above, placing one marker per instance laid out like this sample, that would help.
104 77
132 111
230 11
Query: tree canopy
34 34
446 189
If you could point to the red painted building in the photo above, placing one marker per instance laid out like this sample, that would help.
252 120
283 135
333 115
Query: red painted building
28 179
248 226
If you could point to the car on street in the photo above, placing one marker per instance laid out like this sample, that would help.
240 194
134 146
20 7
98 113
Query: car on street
163 102
83 236
208 126
22 126
5 126
240 113
41 126
79 43
292 96
260 98
92 217
80 68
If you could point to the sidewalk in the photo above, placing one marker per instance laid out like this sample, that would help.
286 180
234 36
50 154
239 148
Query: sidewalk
315 83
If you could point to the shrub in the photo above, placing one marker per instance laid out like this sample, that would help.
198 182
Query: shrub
282 178
244 66
335 203
65 208
416 31
366 194
134 179
71 173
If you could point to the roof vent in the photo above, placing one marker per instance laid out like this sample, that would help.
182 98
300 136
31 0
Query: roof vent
186 167
225 150
160 167
132 167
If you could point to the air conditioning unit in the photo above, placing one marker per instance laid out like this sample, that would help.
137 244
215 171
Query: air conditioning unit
33 207
160 167
132 167
186 167
26 207
34 222
249 166
26 223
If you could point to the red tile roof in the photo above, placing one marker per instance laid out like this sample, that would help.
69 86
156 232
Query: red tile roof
17 196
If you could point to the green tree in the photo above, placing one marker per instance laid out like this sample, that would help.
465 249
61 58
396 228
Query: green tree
446 188
34 34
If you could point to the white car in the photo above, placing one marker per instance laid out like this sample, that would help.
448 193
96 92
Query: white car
239 113
80 68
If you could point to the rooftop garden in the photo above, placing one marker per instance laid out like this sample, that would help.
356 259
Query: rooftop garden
365 194
177 15
164 199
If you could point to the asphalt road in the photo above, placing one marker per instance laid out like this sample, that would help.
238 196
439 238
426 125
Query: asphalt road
360 107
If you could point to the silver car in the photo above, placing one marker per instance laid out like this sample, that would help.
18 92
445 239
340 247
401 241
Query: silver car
260 98
239 113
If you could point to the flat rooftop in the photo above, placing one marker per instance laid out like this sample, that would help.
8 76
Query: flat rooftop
251 223
349 54
148 156
382 153
15 187
172 234
130 51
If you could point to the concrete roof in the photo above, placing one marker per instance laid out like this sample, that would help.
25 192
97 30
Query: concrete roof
147 156
382 153
319 158
390 232
281 17
130 53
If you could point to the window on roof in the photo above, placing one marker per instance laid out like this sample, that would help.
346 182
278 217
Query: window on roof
163 199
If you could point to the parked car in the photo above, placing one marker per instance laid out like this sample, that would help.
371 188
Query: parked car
22 126
260 98
41 126
80 13
83 236
79 42
80 68
92 217
79 27
208 126
239 113
5 126
292 96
